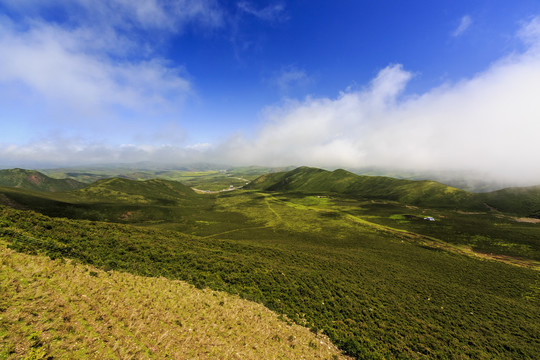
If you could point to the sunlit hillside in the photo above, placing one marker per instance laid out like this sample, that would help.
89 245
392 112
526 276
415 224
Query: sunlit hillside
57 309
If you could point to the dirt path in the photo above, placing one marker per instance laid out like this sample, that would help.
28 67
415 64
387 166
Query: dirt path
233 230
270 207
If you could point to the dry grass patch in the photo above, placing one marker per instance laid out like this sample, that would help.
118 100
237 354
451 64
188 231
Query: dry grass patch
64 310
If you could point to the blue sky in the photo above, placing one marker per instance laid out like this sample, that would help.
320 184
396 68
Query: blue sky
427 85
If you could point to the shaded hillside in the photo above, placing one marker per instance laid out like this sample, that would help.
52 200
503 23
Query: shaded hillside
132 191
522 201
422 193
118 200
34 180
67 310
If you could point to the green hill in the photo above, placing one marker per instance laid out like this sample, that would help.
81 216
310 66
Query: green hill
522 201
116 200
158 191
34 180
421 193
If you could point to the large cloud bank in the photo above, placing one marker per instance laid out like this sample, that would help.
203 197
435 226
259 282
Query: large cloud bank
90 66
488 124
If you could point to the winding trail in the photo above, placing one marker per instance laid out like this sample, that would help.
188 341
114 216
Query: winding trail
233 230
266 196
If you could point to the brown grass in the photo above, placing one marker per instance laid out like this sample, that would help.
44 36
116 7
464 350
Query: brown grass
527 220
64 310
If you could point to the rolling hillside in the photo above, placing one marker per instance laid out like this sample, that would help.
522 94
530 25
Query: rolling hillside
117 200
421 193
361 265
376 291
64 310
34 180
523 201
124 190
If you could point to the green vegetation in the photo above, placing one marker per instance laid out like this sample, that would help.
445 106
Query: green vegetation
133 192
523 201
421 193
366 270
205 177
117 200
54 309
34 180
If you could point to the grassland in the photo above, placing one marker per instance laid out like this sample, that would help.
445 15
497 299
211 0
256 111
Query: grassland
370 273
56 309
420 193
34 180
376 292
213 178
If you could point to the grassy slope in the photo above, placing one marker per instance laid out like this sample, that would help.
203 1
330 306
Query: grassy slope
523 201
175 206
131 191
58 309
421 193
114 200
321 261
376 293
34 180
212 178
518 201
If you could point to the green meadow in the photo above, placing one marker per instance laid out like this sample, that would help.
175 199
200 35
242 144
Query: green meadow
363 267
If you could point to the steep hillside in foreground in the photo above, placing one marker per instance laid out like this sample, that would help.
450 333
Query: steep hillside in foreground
34 180
423 193
58 309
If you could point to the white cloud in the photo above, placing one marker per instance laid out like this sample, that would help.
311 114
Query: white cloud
59 151
148 14
464 24
488 124
530 34
290 77
95 64
274 12
53 64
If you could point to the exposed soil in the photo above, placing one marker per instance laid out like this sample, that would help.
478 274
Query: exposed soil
526 220
34 179
126 216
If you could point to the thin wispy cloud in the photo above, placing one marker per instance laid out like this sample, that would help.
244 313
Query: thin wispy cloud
289 78
92 67
273 12
145 14
463 26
